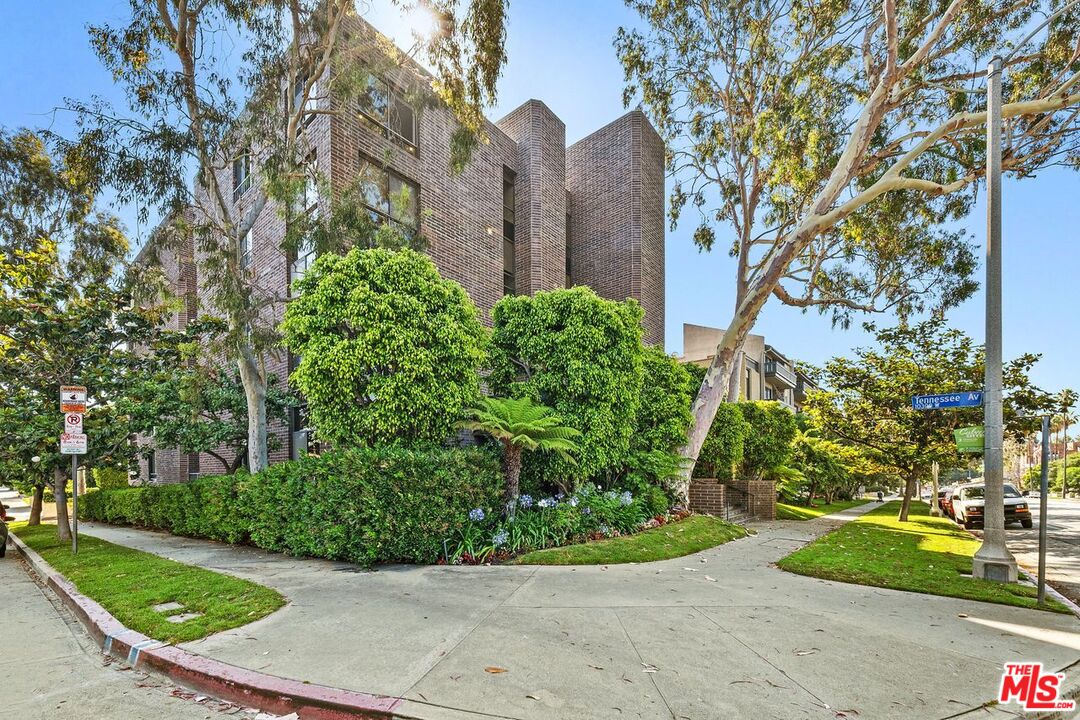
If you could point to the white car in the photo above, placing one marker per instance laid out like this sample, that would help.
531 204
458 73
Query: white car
967 505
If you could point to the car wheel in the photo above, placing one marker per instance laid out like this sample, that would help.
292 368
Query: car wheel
1026 524
968 524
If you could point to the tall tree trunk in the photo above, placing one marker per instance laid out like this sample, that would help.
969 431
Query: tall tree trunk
254 382
63 527
512 468
909 489
714 390
35 505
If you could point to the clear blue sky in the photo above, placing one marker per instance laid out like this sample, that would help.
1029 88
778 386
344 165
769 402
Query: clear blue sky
561 53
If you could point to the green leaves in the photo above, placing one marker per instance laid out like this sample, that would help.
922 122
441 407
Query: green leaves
580 355
389 350
520 421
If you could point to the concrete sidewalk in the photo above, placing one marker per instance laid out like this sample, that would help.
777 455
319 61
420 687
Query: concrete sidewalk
714 635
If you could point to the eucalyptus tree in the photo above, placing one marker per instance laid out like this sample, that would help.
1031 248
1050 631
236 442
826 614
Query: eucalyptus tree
824 145
66 317
218 93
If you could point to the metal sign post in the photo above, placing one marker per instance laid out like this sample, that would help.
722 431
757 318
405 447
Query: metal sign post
1044 493
73 442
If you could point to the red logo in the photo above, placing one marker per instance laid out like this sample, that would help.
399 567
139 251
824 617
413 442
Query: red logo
1026 684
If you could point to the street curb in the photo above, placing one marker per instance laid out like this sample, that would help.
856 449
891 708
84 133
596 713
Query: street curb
250 688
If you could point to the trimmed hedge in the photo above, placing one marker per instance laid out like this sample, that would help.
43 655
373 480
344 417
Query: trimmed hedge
364 505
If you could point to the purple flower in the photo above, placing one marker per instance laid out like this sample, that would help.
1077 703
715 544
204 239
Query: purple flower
476 514
605 530
500 538
586 510
626 497
573 502
546 503
525 501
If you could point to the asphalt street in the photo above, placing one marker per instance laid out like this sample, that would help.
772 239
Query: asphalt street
1062 545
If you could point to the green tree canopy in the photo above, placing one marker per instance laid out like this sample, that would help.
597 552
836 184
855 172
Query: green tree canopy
580 355
866 400
389 350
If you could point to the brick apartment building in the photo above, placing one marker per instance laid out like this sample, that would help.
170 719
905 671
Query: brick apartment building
527 214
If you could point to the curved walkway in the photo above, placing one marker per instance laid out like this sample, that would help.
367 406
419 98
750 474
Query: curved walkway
717 634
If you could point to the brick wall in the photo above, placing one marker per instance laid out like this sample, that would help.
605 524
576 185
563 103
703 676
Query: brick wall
710 496
540 187
615 177
707 496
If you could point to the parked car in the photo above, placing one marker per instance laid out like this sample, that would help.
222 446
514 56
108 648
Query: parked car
944 500
968 502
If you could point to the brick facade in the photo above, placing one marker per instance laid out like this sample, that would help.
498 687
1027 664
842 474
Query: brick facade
615 180
756 498
611 184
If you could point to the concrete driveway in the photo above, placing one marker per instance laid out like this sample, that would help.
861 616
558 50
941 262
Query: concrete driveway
719 634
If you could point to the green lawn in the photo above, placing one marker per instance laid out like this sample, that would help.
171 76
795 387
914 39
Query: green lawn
802 512
695 533
128 583
925 554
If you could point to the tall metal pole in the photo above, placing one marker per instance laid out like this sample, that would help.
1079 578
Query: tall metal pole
1064 451
993 561
74 504
1044 495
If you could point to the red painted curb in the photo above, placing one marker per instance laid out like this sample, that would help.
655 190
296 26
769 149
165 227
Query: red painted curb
250 688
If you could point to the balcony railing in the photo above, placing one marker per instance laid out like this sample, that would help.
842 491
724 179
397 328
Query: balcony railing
781 372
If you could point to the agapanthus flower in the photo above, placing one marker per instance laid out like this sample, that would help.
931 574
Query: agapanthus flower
604 529
500 538
476 514
626 497
586 510
547 502
573 502
525 501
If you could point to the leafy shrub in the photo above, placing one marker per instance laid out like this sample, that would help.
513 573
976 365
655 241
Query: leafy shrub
667 392
109 478
725 445
770 433
362 505
389 349
580 355
552 521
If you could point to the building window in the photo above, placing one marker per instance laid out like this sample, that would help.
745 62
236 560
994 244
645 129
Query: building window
509 254
310 104
385 107
569 282
243 252
241 175
309 205
749 385
388 196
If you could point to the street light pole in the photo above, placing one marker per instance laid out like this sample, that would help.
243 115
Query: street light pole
993 561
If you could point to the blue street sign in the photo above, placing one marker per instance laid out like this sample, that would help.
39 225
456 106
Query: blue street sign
972 398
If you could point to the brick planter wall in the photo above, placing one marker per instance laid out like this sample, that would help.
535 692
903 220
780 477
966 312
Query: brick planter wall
709 496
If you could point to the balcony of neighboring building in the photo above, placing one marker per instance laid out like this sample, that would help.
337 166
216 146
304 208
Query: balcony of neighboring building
803 387
780 373
780 395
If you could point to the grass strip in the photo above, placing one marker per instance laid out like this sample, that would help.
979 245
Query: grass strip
128 583
926 555
691 535
803 512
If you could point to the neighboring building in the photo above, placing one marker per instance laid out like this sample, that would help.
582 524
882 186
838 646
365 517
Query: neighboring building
527 213
764 372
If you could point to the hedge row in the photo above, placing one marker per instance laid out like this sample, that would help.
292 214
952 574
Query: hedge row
361 505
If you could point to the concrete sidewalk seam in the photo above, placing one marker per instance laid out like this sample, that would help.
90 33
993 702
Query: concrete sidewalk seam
652 675
227 682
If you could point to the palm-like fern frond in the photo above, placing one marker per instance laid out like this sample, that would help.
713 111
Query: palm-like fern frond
523 423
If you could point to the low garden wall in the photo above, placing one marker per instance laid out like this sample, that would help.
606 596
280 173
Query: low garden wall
711 496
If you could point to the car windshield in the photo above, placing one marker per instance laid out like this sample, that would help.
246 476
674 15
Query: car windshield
977 492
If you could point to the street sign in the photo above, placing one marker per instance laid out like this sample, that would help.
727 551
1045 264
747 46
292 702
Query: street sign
72 444
73 423
72 398
967 398
969 439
